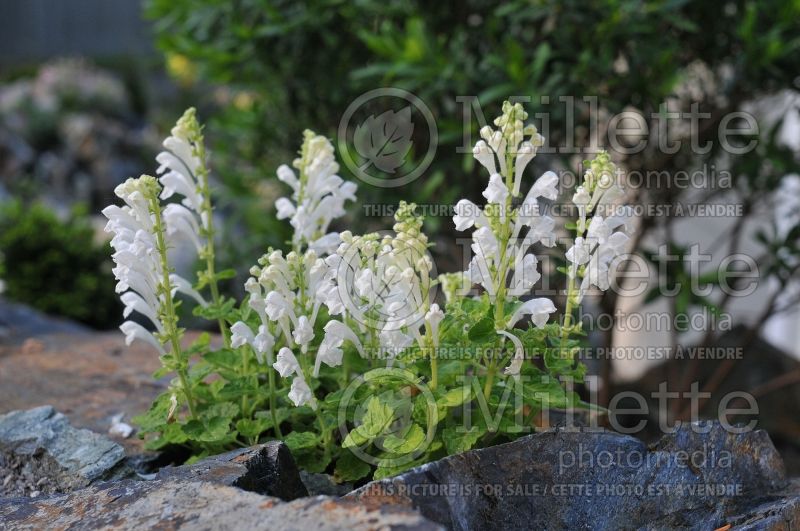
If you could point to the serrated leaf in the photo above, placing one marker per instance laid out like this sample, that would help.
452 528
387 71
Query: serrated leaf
228 410
214 430
377 418
483 331
350 468
252 427
410 441
301 440
455 397
457 439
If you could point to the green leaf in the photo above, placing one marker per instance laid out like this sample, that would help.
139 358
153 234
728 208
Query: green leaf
226 274
252 427
455 397
549 393
377 418
155 418
356 438
215 430
314 462
457 439
301 440
410 441
170 434
482 331
228 410
225 358
350 468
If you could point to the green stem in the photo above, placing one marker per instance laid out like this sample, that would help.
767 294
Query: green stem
272 409
487 388
245 376
209 233
500 280
571 286
171 319
326 436
434 368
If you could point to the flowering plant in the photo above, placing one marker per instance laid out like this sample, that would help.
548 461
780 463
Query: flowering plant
340 347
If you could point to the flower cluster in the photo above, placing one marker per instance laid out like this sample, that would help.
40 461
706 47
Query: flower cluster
286 292
384 285
318 195
503 235
599 240
336 306
140 248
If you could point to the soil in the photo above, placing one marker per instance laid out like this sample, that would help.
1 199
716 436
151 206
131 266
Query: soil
21 476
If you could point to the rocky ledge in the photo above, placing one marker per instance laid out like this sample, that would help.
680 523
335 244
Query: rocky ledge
699 477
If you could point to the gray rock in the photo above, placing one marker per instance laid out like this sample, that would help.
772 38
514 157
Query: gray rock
324 484
19 323
601 480
69 458
267 469
182 504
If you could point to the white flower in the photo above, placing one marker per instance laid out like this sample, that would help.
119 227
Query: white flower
580 251
137 258
468 214
300 393
545 186
180 284
319 198
581 196
478 272
133 330
339 330
496 191
277 306
525 155
525 275
433 317
597 270
326 244
539 310
241 335
515 366
485 156
180 167
180 221
329 353
263 343
598 231
285 208
485 244
286 363
135 303
303 332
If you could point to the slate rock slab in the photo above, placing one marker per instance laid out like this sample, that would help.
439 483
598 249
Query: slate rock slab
183 504
89 377
267 469
601 480
67 457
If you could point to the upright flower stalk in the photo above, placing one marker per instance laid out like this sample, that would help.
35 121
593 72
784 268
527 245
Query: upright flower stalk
184 170
502 264
143 274
600 234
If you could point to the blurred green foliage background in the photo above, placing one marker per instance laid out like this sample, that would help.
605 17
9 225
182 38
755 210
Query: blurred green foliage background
300 63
